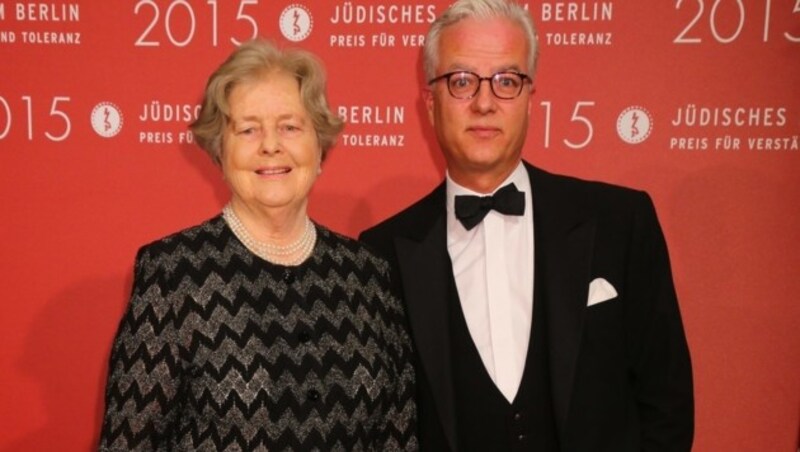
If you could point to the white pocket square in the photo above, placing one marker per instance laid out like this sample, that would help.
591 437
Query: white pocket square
600 290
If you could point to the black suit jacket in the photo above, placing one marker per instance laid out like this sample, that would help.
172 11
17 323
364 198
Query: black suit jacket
620 370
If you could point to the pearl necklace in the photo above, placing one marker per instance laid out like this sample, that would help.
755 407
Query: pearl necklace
301 248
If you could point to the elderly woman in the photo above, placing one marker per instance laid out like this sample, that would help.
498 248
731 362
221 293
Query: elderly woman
261 329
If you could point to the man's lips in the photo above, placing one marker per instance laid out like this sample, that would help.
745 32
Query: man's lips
273 171
483 131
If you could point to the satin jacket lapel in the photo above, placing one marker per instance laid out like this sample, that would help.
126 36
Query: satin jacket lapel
564 241
423 258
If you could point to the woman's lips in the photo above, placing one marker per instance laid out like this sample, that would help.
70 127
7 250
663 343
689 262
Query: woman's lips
276 171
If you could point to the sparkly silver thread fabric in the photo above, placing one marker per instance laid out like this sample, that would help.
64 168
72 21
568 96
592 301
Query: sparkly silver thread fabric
220 350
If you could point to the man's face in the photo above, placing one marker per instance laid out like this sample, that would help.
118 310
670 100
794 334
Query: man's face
481 137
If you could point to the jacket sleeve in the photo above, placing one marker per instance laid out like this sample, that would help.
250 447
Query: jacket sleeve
143 373
398 429
657 348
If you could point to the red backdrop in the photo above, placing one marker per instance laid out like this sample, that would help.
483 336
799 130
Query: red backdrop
695 101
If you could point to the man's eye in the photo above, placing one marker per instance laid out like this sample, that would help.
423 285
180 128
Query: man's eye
461 82
507 82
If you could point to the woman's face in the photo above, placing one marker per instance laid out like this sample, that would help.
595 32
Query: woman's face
270 152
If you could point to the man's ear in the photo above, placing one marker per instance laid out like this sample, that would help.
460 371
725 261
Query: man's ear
427 96
530 99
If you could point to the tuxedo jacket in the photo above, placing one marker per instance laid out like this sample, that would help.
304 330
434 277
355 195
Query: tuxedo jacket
620 372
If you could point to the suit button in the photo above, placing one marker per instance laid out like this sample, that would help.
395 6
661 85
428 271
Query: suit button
517 416
288 276
313 395
522 437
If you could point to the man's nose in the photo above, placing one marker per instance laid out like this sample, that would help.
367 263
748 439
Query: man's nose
484 100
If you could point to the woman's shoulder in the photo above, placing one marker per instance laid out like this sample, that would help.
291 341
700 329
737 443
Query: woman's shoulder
186 240
160 261
359 253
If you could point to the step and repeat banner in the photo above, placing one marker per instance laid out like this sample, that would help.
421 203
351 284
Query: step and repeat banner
695 101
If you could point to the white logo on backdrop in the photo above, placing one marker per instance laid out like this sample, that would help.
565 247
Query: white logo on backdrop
296 22
634 124
106 119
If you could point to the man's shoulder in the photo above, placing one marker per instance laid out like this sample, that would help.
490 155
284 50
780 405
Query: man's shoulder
590 194
416 217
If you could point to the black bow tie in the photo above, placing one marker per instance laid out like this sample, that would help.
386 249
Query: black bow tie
470 210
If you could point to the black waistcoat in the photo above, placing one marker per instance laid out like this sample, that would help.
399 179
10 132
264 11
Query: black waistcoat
485 420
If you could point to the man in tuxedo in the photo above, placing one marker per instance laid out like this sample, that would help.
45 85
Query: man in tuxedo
541 306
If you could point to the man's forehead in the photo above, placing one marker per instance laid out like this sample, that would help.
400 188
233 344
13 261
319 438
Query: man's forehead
473 49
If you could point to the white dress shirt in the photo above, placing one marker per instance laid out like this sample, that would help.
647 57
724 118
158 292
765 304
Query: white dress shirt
493 268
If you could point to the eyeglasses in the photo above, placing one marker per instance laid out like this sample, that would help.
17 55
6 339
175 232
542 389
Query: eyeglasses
465 84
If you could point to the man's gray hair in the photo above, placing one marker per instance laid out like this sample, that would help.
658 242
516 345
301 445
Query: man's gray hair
479 9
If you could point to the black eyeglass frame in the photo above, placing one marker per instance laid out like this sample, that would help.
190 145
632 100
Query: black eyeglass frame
447 76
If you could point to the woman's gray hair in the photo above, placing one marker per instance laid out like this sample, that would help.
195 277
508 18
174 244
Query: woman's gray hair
252 61
479 9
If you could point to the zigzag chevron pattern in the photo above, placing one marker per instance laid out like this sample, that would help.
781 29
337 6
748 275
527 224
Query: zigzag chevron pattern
220 350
